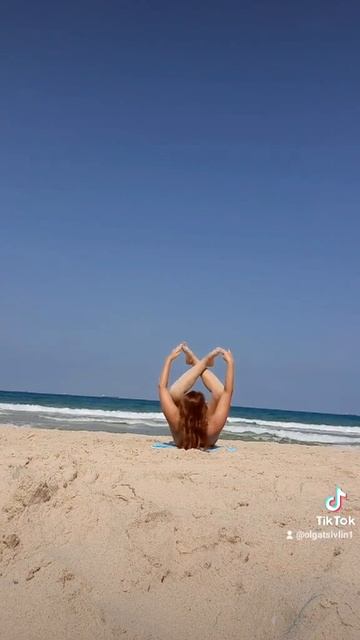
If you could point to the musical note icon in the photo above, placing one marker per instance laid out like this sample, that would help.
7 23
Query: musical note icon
335 503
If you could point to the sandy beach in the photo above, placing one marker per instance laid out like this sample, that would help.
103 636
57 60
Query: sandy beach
105 537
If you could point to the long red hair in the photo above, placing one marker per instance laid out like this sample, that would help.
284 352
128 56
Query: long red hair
193 420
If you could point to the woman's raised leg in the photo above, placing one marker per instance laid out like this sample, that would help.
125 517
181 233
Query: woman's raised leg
188 379
210 380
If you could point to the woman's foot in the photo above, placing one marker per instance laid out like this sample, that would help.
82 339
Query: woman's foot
210 358
190 357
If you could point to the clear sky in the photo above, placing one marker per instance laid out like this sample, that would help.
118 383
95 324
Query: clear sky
181 170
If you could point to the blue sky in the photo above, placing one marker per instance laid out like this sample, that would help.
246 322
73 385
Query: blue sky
177 171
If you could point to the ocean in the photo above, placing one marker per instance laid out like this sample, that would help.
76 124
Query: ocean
126 415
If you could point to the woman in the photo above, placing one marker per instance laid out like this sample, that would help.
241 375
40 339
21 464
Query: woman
193 422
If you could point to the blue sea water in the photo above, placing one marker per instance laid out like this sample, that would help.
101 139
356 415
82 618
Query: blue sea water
127 415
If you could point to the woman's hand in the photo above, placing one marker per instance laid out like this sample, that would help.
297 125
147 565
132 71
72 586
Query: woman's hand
227 355
176 351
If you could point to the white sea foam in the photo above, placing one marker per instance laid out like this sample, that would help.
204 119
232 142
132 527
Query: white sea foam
303 426
343 437
297 431
88 413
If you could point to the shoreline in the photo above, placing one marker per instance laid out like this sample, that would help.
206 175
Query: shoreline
164 432
104 537
126 415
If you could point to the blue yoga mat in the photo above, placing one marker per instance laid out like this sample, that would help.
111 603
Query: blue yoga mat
172 445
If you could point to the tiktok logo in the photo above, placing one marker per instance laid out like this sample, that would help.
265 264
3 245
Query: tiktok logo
335 503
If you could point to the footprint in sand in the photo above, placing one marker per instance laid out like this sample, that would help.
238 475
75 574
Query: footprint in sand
29 492
11 541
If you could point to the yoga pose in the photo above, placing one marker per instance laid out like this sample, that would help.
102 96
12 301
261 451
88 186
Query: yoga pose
195 424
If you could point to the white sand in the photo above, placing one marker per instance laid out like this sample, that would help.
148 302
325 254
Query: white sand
104 537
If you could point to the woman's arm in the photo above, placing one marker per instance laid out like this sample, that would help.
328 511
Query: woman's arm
165 373
168 406
221 413
230 372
